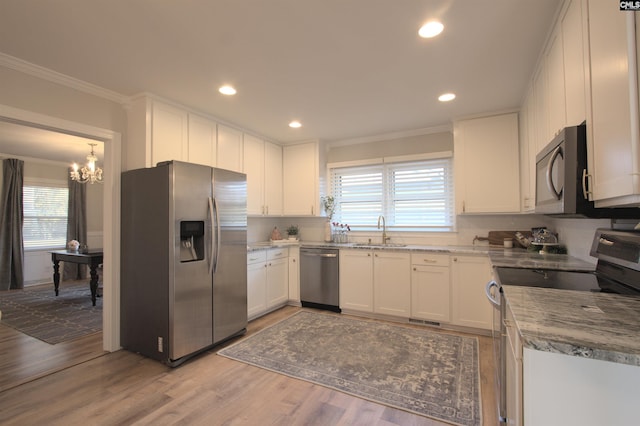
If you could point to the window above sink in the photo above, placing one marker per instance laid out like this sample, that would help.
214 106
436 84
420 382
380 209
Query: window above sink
413 195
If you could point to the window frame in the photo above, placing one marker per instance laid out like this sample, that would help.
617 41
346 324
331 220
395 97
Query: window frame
388 165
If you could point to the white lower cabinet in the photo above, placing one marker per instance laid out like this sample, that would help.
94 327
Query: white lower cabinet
375 281
356 280
513 379
256 283
392 283
267 281
294 274
430 287
469 276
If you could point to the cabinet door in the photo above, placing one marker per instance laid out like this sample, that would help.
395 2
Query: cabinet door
356 280
277 282
229 148
392 283
486 164
294 274
202 141
555 84
254 169
168 133
470 306
430 293
300 179
613 146
573 42
256 289
527 155
272 179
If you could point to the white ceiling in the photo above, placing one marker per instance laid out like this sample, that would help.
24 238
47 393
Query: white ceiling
345 68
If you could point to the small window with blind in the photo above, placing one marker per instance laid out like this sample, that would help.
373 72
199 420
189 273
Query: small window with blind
45 208
411 195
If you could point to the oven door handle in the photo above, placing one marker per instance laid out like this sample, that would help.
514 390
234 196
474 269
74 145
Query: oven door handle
487 291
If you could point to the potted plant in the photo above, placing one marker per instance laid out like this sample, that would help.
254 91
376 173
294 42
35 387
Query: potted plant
292 231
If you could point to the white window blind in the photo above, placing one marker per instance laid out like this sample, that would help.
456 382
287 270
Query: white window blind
412 196
45 215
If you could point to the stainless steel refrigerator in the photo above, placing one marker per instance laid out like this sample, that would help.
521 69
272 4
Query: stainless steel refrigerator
183 259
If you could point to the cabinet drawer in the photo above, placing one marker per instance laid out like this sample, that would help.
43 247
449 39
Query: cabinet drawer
430 259
257 257
277 253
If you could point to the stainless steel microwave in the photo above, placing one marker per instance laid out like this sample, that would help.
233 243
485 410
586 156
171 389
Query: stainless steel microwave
561 187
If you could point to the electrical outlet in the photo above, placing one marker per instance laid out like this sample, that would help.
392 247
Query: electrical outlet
160 344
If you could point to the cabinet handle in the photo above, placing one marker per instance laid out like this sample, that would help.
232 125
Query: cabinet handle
455 259
267 209
311 210
415 269
430 261
463 207
368 254
585 177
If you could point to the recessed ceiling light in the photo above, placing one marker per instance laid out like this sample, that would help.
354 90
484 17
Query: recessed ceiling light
295 124
227 90
446 97
430 29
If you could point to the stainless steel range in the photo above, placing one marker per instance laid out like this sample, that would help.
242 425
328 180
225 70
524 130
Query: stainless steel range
617 271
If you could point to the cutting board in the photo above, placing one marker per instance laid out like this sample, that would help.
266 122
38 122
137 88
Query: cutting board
496 238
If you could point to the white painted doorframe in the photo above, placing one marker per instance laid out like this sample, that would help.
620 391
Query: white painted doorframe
111 206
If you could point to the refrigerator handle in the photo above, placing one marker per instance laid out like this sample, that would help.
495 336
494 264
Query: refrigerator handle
218 230
211 247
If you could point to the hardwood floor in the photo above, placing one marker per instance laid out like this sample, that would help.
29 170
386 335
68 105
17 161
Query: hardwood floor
125 388
24 358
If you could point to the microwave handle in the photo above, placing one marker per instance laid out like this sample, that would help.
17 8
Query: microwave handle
554 155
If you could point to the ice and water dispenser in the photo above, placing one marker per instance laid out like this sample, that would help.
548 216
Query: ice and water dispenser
191 240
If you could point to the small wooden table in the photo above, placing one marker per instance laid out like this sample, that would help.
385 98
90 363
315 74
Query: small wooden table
93 258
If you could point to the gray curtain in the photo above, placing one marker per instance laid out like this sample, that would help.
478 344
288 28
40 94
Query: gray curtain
76 227
11 219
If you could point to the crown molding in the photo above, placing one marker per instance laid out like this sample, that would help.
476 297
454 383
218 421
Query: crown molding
23 66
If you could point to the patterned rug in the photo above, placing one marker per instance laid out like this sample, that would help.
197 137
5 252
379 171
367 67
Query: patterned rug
37 311
428 373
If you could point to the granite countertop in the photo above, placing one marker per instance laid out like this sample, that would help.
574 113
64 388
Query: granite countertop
580 323
519 258
480 250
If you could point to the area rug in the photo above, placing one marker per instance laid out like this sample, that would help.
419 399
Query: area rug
428 373
38 312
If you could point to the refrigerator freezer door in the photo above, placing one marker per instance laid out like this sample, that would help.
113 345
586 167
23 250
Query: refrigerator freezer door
190 283
229 231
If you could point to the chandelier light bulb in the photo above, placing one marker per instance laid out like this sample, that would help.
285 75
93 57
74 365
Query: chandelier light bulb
89 173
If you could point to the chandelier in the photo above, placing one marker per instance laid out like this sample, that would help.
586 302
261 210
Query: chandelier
89 173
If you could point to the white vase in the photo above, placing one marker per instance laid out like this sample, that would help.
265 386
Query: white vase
327 231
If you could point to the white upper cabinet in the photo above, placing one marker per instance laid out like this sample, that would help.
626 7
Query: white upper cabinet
254 169
302 165
202 141
487 164
263 167
554 63
575 72
612 130
157 131
229 148
527 155
273 179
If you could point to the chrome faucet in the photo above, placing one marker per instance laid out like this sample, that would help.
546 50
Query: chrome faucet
384 229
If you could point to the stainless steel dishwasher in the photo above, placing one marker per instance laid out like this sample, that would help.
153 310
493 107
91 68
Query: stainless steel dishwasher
319 278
